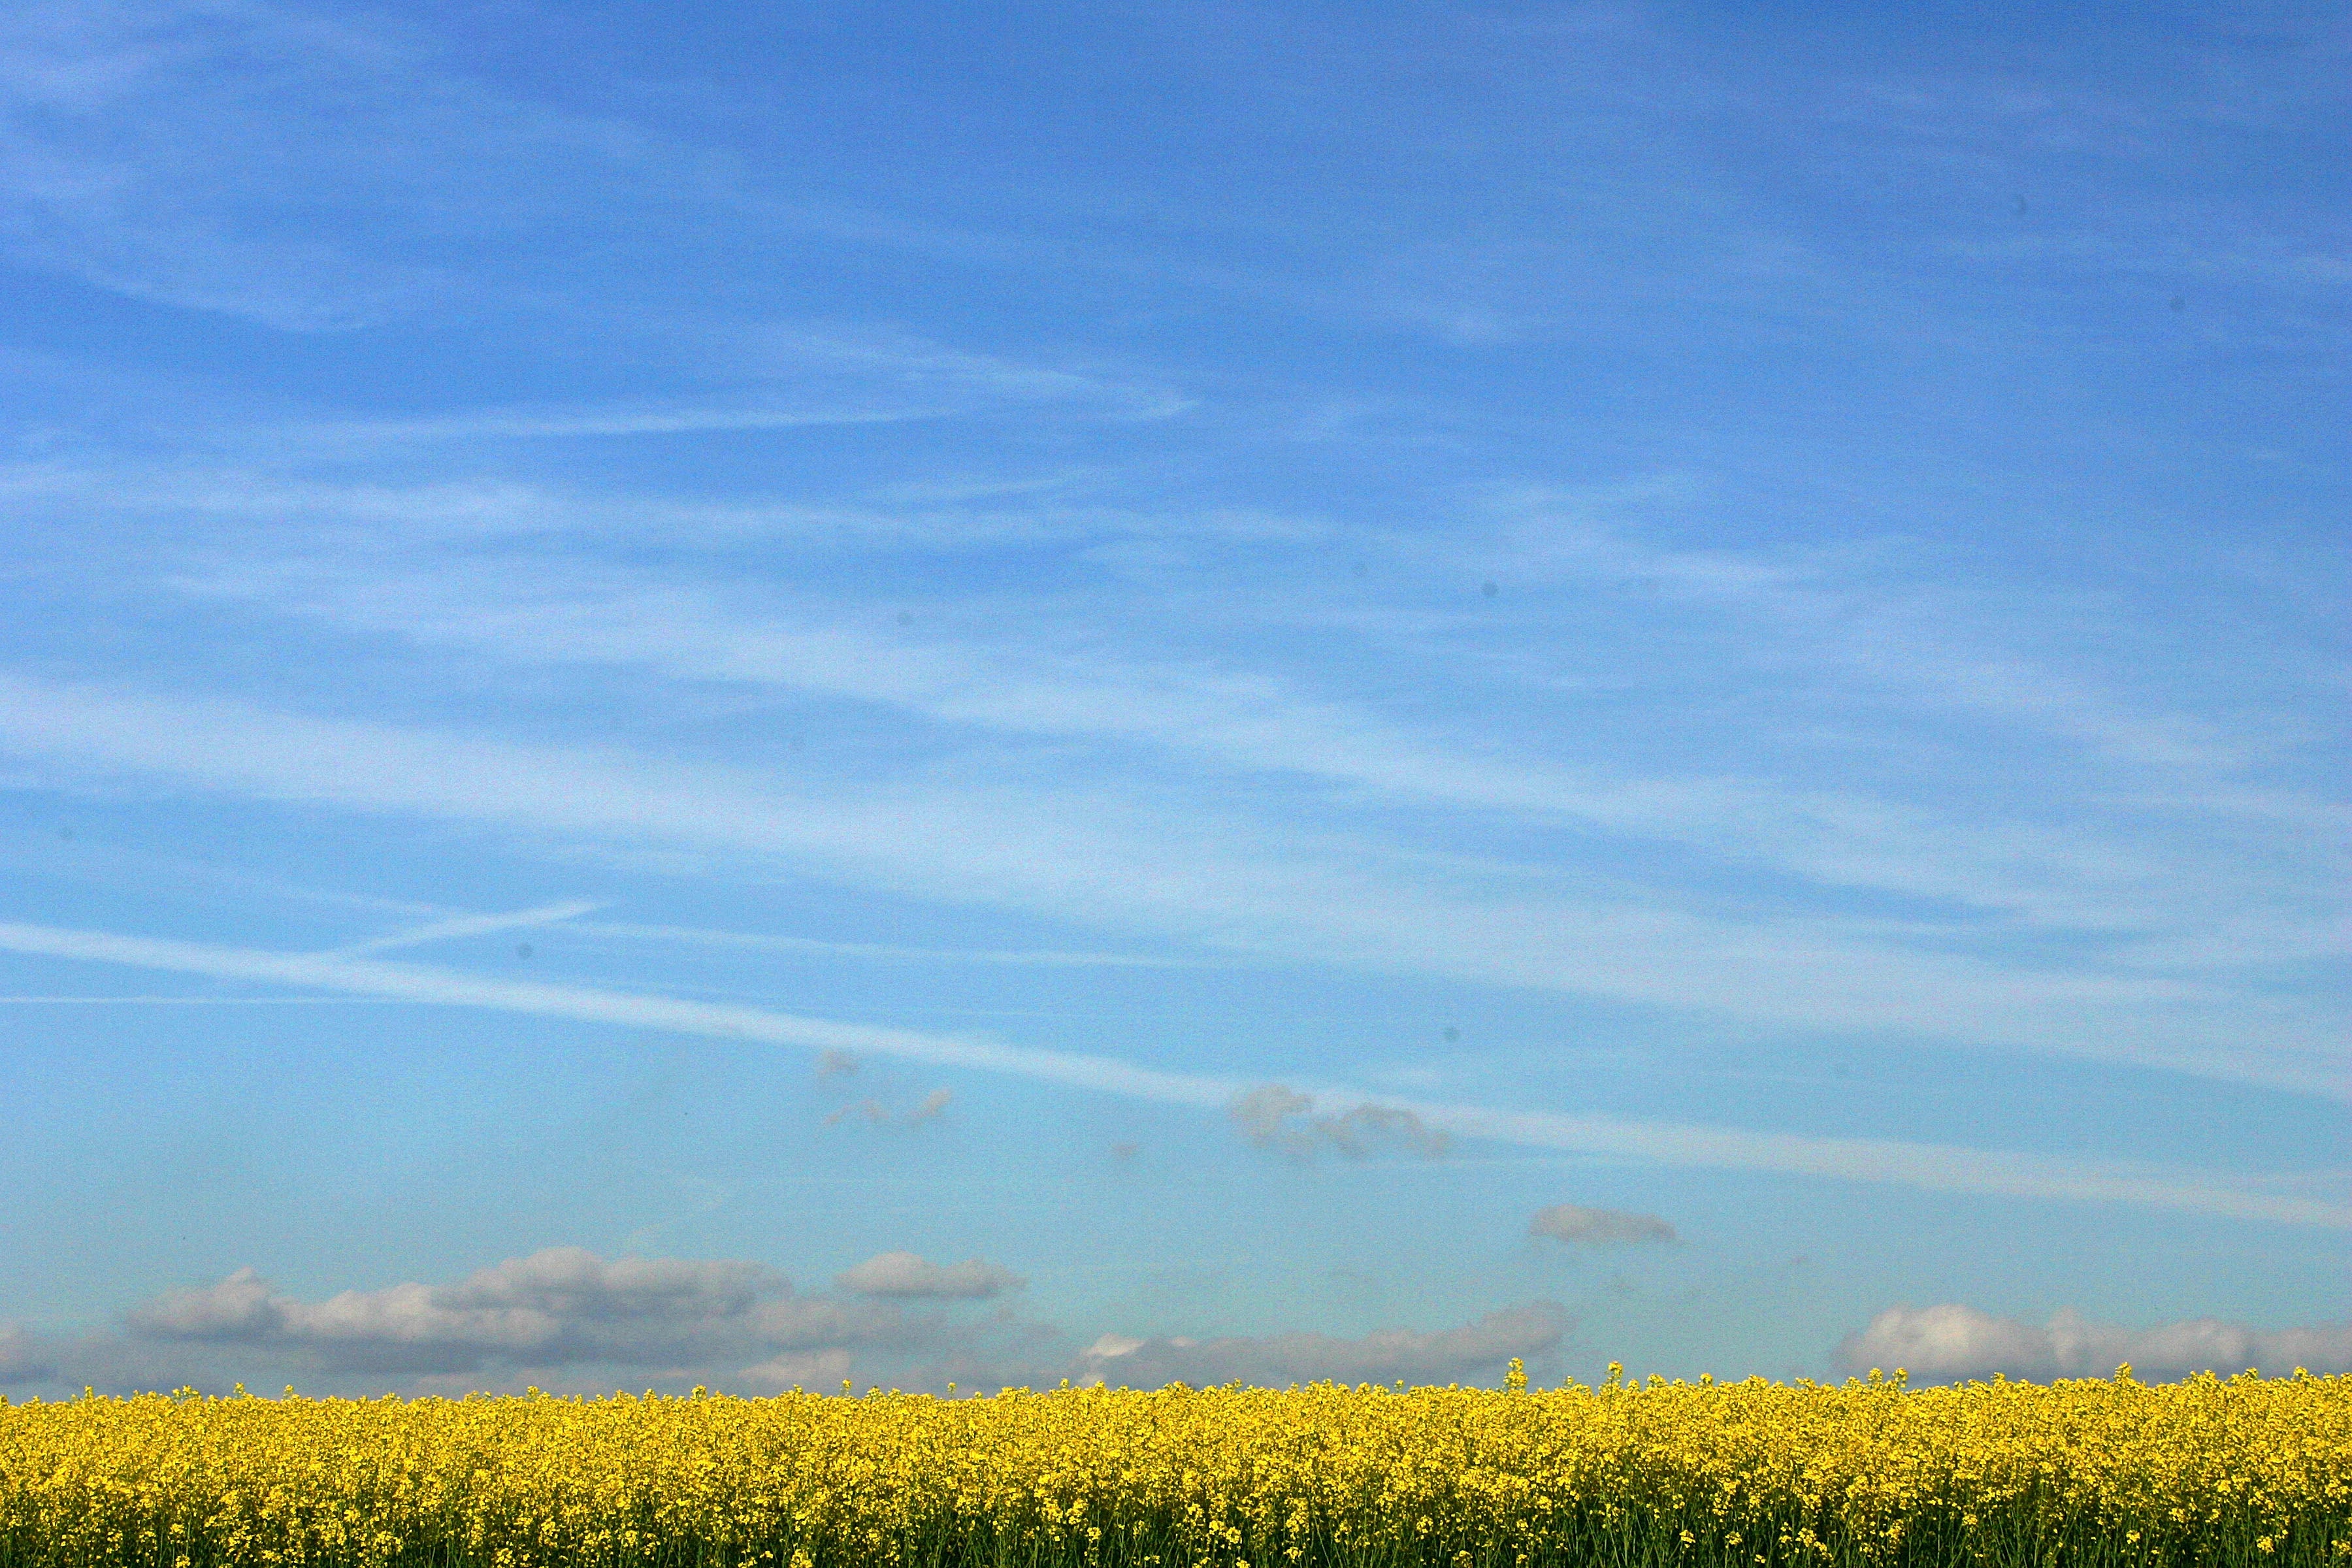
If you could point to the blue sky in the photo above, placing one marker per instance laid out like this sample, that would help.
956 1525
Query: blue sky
758 695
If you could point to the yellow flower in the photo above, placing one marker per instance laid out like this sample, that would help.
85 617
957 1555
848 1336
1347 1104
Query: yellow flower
1866 1475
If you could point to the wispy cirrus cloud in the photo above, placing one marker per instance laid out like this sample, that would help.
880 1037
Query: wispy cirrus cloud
126 123
2117 872
1322 899
315 169
1254 720
1719 561
1871 624
806 376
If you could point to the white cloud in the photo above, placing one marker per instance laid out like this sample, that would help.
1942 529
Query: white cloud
1273 1116
1443 1356
562 1318
559 1307
1952 1342
2091 872
1110 1346
816 1322
125 128
1938 1167
805 377
872 1111
1878 628
239 1308
1251 721
904 1274
224 158
1114 857
1598 1227
1260 1113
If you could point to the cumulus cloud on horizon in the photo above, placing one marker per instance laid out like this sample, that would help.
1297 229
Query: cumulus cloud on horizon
1386 1355
1581 1226
559 1307
22 1358
906 1274
564 1320
563 1315
1952 1342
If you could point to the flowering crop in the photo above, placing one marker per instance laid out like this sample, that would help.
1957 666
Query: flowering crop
2108 1474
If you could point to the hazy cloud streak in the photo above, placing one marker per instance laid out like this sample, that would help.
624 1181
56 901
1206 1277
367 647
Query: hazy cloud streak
1384 1356
1581 1226
1933 1166
905 1274
1360 902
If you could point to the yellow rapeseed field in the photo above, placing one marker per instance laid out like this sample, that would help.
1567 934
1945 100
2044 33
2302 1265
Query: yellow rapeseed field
2242 1470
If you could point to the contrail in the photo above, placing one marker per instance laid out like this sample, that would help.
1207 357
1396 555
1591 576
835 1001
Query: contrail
1937 1167
713 1020
470 925
761 942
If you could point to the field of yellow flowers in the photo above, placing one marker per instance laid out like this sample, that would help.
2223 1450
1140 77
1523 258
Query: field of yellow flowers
2244 1470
